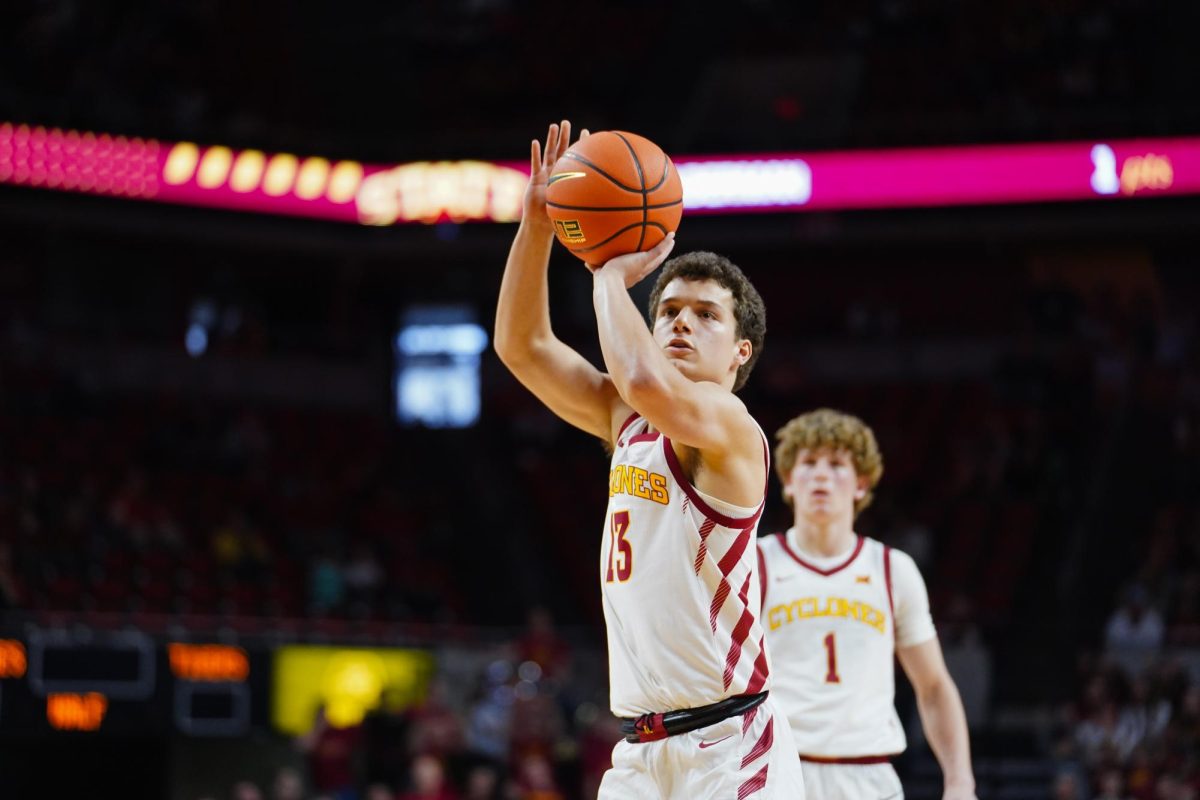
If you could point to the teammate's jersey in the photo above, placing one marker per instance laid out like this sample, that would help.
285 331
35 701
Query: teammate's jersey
679 580
833 628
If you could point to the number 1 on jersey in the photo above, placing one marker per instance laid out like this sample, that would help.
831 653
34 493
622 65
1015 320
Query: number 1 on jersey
831 652
621 547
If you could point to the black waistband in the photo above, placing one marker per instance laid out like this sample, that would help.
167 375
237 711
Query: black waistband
649 727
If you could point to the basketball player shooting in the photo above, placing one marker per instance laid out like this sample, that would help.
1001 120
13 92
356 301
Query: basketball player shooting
688 670
840 608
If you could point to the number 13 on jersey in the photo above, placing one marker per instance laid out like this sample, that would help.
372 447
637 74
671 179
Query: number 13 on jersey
620 551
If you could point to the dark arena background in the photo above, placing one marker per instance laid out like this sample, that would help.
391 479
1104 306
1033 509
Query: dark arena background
276 523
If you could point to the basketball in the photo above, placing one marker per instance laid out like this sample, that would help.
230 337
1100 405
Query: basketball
613 193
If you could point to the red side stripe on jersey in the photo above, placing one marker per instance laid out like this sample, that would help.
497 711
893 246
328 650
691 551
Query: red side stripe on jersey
643 437
705 530
718 601
753 784
726 566
740 632
762 576
748 719
759 678
762 746
626 423
887 578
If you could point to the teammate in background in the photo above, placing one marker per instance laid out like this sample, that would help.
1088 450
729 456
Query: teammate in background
838 607
678 574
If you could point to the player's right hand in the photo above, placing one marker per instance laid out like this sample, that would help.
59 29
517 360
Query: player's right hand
541 163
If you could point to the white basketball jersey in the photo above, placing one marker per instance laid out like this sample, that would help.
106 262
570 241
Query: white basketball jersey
832 636
679 580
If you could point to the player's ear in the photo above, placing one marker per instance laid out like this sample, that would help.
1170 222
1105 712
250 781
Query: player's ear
744 351
860 491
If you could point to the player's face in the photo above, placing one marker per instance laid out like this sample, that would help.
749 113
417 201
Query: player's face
823 485
696 328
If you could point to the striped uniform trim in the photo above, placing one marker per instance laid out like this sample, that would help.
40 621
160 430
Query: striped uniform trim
846 759
753 784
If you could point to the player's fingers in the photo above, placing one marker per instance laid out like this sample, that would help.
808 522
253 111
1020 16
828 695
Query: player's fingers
551 145
660 252
564 139
535 157
584 133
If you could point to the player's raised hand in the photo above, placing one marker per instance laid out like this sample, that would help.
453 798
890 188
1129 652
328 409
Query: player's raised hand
541 163
634 266
952 793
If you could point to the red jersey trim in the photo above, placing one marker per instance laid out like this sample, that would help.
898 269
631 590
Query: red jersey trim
643 437
628 421
887 579
705 508
826 572
848 760
762 574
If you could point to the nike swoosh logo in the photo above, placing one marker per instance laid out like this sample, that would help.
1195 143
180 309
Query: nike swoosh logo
710 744
565 176
781 578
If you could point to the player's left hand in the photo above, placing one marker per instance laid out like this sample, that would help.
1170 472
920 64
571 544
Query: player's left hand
632 267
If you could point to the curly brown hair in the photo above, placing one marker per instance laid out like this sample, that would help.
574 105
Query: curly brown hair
748 307
835 430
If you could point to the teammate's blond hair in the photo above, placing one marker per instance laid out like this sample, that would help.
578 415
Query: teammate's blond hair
826 428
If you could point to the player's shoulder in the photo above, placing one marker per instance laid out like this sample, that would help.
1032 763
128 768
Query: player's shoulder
898 562
770 545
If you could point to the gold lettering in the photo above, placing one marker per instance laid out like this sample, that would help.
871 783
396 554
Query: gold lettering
658 488
640 476
626 481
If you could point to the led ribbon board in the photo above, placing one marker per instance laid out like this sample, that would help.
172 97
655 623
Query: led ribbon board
349 191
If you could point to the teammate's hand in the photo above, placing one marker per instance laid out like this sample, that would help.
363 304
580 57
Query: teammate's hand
541 162
632 267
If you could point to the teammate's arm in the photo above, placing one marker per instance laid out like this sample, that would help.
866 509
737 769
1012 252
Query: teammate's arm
942 716
565 381
696 414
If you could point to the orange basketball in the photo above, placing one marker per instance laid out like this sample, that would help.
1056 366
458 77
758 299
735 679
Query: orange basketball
613 193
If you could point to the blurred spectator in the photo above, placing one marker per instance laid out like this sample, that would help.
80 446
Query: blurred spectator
245 790
379 791
535 778
490 716
1066 787
333 755
362 577
434 728
1112 786
542 645
239 546
288 785
483 783
1135 630
326 586
427 781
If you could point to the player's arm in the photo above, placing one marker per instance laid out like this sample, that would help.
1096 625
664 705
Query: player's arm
938 700
942 716
565 381
696 414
